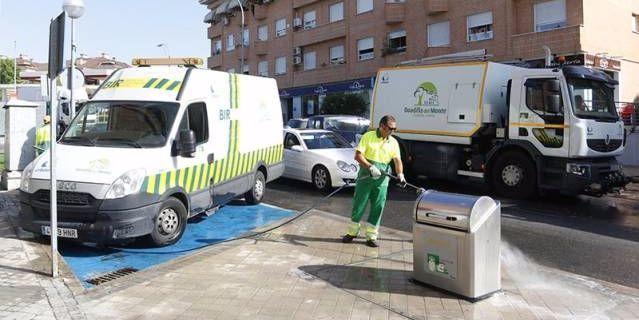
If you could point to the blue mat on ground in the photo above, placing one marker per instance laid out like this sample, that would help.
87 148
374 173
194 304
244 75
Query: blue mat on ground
230 221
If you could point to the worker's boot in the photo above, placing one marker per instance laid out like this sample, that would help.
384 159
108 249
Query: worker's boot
347 238
371 243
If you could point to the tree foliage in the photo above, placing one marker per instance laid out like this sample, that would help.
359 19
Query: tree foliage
344 103
6 71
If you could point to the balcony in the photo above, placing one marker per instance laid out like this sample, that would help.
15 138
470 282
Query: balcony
214 31
214 61
323 74
561 41
394 12
260 12
434 7
260 47
319 34
301 3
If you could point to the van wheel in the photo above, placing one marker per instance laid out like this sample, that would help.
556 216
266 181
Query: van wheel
169 223
256 194
514 176
321 179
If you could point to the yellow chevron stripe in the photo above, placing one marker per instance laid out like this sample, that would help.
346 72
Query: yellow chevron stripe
196 179
211 172
218 167
172 178
162 183
189 179
205 174
150 188
181 177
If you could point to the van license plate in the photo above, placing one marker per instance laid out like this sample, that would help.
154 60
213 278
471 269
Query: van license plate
62 232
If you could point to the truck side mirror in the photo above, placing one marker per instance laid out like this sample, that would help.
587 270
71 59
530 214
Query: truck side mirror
552 103
187 143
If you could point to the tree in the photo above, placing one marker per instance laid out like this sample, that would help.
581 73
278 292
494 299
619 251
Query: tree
344 103
6 71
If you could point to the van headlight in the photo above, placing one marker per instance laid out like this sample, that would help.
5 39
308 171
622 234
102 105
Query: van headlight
582 170
126 184
346 167
26 176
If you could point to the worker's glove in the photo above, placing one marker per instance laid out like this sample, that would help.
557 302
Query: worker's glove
402 180
375 173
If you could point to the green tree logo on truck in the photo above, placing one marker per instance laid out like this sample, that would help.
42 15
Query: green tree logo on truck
426 95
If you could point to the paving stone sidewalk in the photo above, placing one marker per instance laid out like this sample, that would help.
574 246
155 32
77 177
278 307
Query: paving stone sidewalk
303 271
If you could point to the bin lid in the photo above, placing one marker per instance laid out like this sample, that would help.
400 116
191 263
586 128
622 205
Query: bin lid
451 210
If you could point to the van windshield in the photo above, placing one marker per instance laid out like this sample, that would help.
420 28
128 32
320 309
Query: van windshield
122 124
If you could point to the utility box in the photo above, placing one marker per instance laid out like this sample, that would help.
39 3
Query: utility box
20 127
456 243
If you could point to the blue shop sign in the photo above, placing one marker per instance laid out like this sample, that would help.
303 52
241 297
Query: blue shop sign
322 89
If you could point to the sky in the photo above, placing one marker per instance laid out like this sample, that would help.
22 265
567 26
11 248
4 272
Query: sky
124 29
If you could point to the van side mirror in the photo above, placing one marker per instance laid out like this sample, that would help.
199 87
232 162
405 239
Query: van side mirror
552 103
187 143
297 148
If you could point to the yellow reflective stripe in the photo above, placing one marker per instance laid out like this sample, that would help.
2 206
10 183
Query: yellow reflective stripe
218 168
196 179
243 164
205 174
248 167
269 157
189 178
150 188
172 177
210 175
181 177
236 168
162 183
232 167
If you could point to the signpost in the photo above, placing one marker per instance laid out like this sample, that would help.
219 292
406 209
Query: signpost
56 61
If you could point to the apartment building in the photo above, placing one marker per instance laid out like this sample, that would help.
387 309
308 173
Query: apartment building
318 47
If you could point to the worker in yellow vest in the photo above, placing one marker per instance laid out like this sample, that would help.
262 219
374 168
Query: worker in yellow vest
375 151
43 136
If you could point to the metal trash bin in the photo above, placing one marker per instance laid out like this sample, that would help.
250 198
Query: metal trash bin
456 243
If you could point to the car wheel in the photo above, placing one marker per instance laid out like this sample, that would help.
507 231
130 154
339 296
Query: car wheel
256 194
514 176
321 179
169 222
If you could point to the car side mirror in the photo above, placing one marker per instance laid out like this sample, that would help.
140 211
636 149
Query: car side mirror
187 143
297 148
552 103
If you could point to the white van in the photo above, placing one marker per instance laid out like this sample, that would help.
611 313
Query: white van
153 147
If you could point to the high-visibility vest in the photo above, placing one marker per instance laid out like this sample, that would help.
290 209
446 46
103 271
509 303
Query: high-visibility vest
42 139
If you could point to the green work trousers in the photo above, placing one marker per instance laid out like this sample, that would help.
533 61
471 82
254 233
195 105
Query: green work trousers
373 190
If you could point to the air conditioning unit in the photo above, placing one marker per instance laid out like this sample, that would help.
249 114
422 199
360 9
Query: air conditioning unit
297 22
297 60
297 51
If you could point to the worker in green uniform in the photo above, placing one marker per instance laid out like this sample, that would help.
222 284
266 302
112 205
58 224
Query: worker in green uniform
374 153
43 136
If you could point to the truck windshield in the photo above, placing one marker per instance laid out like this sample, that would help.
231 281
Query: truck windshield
122 124
592 99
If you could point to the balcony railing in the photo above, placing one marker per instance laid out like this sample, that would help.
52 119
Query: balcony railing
214 61
319 34
214 31
260 47
301 3
260 12
436 6
394 12
562 40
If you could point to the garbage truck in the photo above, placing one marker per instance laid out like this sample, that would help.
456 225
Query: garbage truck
523 131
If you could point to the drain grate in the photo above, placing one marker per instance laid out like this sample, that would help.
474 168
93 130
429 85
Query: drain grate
111 276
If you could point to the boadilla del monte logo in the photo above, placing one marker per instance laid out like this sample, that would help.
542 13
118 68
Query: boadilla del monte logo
426 101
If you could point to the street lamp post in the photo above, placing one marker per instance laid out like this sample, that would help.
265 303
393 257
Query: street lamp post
74 9
242 38
166 49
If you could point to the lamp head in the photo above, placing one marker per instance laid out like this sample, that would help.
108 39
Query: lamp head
73 8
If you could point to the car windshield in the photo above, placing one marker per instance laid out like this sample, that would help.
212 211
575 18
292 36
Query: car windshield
324 140
296 123
347 124
592 99
122 124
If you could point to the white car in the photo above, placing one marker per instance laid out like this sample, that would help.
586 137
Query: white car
321 157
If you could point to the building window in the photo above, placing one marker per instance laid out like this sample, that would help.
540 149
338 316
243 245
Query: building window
550 15
337 54
246 37
217 47
364 6
230 42
262 33
280 65
309 60
262 68
365 49
245 68
439 34
309 19
480 26
396 41
336 12
280 28
635 23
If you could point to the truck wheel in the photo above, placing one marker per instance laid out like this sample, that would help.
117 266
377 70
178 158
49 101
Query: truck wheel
169 222
514 176
321 179
255 195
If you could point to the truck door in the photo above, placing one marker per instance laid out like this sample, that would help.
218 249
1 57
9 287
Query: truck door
196 182
542 116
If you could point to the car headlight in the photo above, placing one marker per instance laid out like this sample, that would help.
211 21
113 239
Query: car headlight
346 167
126 184
26 176
582 170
